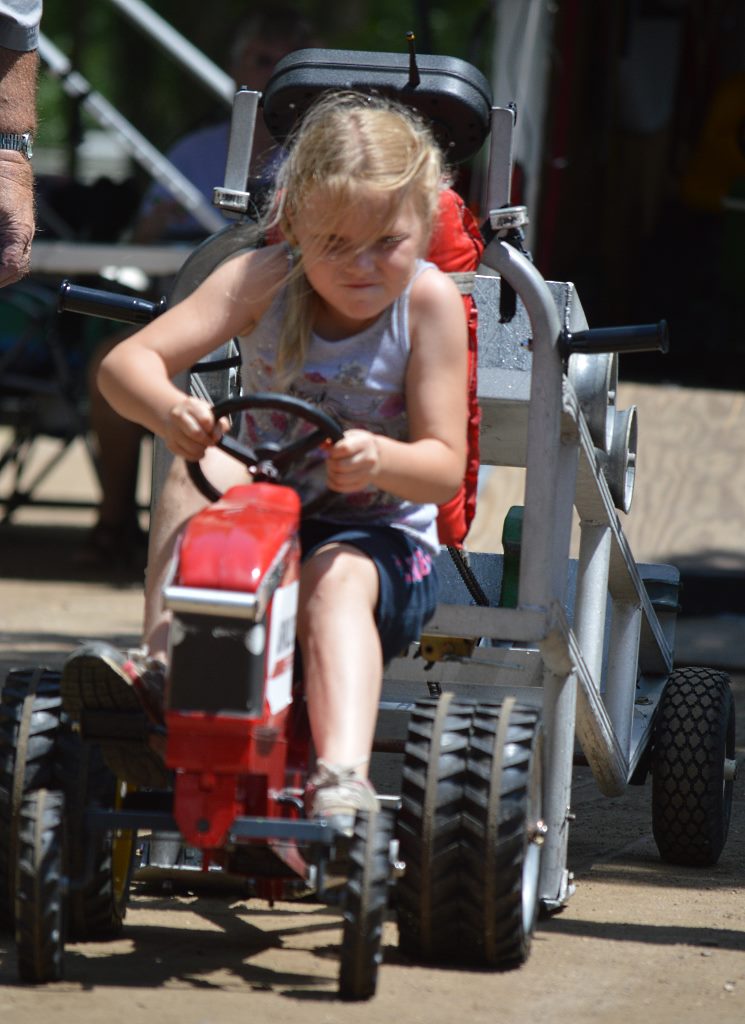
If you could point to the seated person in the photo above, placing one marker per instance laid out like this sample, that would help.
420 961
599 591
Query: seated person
348 297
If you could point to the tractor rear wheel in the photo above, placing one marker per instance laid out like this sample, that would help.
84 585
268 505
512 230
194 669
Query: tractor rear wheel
29 724
40 882
97 910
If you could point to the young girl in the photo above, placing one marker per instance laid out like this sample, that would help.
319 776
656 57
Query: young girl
344 313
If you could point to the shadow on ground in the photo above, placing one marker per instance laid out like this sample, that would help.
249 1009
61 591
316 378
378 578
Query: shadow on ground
48 552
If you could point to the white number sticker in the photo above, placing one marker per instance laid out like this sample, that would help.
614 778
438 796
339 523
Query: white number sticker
282 647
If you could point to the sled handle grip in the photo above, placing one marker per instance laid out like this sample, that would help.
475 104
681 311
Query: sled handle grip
129 309
637 338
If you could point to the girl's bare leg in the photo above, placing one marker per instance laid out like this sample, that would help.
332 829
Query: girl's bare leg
342 658
179 501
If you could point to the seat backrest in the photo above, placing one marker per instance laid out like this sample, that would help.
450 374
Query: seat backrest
450 93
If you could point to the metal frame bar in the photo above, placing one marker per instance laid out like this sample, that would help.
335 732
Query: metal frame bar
591 600
142 151
562 474
549 488
177 46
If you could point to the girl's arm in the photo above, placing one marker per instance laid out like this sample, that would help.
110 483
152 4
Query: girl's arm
430 466
136 376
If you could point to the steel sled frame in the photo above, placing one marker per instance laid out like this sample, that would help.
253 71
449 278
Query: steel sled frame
585 642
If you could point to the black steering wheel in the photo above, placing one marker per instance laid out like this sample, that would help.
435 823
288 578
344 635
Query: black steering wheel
270 461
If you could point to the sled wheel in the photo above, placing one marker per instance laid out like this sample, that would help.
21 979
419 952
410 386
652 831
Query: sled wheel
502 834
428 828
29 722
693 767
365 904
97 910
39 905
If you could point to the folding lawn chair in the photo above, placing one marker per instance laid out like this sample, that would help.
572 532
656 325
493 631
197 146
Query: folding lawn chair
42 395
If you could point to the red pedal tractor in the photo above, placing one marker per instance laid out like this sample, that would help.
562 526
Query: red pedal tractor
238 738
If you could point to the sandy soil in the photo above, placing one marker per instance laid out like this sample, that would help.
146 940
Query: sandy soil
638 940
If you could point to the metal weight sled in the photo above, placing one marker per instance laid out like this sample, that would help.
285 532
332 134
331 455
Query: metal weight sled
533 661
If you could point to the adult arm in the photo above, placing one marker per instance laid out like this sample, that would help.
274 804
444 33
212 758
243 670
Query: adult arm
18 77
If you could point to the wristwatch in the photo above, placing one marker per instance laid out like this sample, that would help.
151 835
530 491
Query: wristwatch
24 142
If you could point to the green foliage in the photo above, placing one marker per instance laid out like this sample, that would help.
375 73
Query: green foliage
163 101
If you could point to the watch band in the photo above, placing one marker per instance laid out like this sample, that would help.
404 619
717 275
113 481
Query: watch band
22 142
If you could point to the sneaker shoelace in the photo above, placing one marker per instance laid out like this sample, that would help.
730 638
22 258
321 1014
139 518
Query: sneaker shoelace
340 786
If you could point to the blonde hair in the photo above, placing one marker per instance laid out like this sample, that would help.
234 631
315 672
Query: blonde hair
347 146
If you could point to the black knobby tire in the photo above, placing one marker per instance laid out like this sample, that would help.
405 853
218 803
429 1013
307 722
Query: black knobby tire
365 904
694 737
29 723
429 828
38 749
502 835
97 910
40 870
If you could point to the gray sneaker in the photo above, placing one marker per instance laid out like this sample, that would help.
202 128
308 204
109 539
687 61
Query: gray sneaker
335 792
117 697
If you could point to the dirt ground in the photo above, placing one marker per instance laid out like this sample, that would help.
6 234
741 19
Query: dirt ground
638 939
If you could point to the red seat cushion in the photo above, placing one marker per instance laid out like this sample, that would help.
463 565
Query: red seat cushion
456 247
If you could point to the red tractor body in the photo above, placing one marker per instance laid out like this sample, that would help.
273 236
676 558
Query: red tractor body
238 741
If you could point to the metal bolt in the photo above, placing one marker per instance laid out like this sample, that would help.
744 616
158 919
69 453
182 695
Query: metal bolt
537 834
398 866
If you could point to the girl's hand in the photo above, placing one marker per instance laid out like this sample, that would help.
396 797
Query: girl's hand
190 428
353 462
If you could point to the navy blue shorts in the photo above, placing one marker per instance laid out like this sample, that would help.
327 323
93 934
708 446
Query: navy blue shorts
406 572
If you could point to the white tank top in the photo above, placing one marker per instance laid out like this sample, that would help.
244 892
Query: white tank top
360 381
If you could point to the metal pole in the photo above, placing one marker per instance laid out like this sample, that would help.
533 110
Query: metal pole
499 184
191 59
559 700
551 468
542 561
623 659
559 711
143 151
591 600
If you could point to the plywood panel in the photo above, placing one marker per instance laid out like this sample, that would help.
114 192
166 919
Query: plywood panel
689 499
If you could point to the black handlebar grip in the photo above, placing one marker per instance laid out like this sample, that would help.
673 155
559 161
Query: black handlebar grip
129 309
637 338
